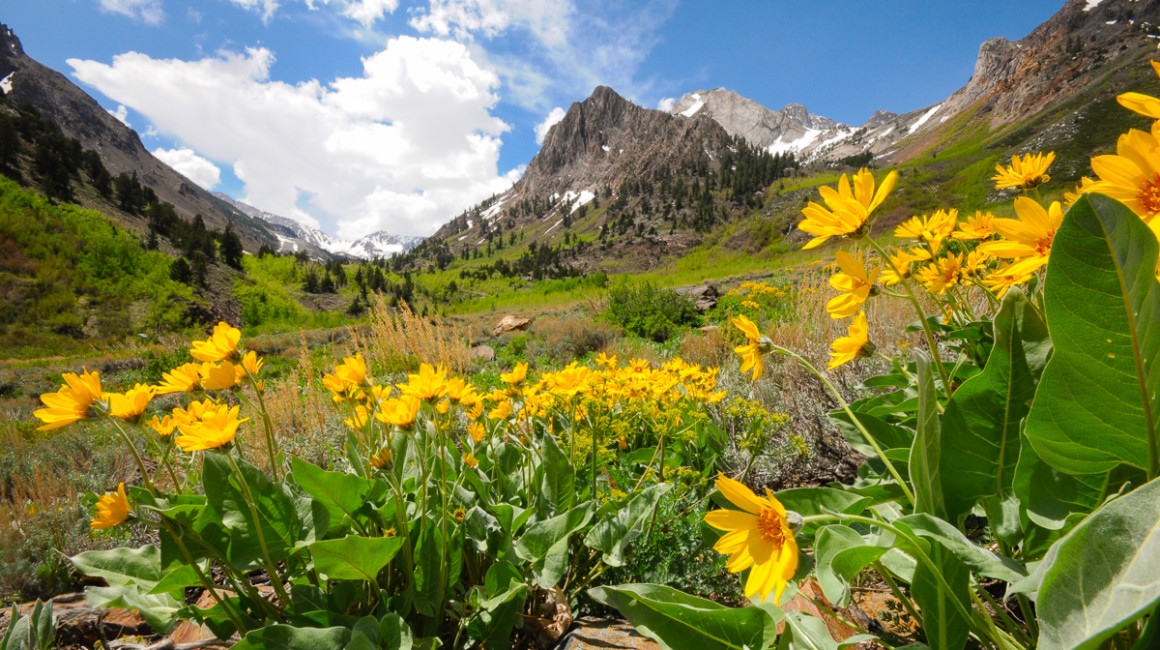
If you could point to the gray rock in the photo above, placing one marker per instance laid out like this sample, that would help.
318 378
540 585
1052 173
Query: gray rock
591 633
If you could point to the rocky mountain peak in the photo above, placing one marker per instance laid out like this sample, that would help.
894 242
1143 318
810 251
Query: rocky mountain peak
9 41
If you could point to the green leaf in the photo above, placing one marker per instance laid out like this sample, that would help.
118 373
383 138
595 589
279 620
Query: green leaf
286 637
354 557
341 493
817 500
558 484
945 626
158 610
123 566
613 533
1104 574
888 436
501 608
830 541
975 557
1098 402
545 543
277 515
986 411
428 568
806 632
678 621
925 453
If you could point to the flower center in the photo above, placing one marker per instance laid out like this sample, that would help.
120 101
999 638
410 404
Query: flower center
1149 196
771 525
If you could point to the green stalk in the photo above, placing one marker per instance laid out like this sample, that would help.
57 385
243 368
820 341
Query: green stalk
853 418
136 456
271 444
271 568
236 619
897 591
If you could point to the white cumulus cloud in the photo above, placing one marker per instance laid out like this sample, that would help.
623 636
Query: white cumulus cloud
666 104
147 11
122 115
404 147
363 11
554 117
197 169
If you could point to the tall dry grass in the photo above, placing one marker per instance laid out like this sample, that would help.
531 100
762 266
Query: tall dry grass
400 339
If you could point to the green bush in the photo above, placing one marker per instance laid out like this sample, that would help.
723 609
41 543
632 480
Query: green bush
648 311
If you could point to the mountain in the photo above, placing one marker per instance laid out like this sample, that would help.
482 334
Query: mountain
1073 49
294 237
79 116
614 186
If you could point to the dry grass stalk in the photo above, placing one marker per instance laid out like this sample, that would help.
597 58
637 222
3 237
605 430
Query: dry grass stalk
400 339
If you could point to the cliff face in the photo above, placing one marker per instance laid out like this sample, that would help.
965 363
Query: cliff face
79 116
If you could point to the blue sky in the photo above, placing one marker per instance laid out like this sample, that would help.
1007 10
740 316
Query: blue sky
361 115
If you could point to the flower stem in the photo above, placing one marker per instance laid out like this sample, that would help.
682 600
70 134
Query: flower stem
136 456
271 568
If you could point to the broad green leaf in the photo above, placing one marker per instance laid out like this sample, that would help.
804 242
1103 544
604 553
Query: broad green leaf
678 621
805 632
1098 401
341 493
277 515
925 452
815 500
612 534
354 557
123 566
830 541
545 543
1103 574
980 445
975 557
945 626
286 637
558 483
394 633
429 568
501 608
158 610
888 436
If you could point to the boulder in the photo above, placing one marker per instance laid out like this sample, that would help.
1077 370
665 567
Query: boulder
592 633
482 352
703 296
512 323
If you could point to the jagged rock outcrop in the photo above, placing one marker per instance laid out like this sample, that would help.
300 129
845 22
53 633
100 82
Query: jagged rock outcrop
80 116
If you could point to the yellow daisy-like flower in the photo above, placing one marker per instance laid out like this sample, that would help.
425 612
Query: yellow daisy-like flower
358 419
72 402
458 514
516 376
1030 235
932 229
980 226
215 428
1069 198
1024 173
606 362
856 283
130 404
941 275
1132 175
477 432
400 411
750 352
897 270
220 376
1000 280
470 460
222 344
847 210
163 426
857 344
182 379
758 536
250 366
381 459
502 410
749 304
429 384
112 509
1145 105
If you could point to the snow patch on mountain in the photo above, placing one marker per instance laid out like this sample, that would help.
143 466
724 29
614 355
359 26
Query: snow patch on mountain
6 83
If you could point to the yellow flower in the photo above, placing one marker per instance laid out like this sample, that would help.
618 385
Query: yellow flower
855 281
980 226
857 344
222 344
847 210
1025 173
131 403
758 536
182 379
750 352
941 275
749 304
251 365
931 229
606 362
112 509
458 514
381 459
1028 236
358 419
516 376
898 269
348 378
1132 175
163 426
1000 280
1145 105
219 376
429 384
477 432
214 428
72 402
1069 198
470 460
400 411
501 411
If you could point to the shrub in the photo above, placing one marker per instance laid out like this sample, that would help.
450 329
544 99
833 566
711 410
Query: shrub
648 311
